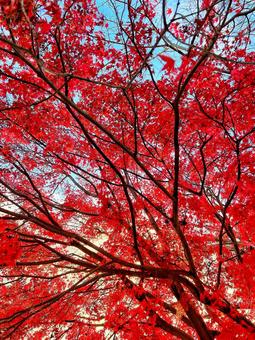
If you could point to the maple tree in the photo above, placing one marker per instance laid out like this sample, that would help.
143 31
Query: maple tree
127 187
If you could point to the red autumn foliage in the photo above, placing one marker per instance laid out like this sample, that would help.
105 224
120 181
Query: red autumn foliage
16 10
127 188
169 63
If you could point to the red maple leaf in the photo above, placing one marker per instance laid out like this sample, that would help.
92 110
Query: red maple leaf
169 63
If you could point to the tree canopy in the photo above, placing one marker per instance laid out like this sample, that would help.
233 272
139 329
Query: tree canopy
127 169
